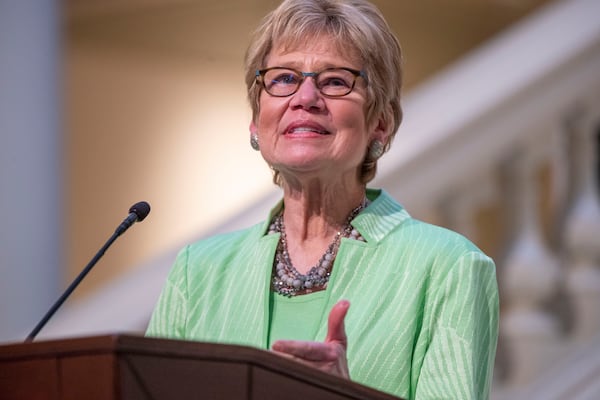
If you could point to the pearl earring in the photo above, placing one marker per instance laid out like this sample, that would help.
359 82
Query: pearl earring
376 149
254 142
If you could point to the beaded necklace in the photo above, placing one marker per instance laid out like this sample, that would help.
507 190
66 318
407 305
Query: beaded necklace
287 280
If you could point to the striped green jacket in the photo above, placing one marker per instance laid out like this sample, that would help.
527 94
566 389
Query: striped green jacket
423 320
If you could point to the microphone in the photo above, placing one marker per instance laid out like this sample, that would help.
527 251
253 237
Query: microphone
137 213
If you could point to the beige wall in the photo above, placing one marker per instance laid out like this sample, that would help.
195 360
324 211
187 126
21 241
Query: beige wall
171 132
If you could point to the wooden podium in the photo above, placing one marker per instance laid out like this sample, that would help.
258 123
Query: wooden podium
123 367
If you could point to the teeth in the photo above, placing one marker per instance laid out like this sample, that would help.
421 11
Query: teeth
306 129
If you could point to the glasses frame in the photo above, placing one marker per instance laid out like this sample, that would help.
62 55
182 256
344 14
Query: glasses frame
260 78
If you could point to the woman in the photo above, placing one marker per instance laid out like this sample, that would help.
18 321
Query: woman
323 80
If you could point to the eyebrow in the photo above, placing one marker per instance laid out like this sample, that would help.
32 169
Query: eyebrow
320 67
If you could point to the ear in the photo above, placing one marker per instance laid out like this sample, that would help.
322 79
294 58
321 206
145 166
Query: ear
253 129
382 126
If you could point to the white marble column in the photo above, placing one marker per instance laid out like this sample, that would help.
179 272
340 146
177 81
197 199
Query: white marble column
30 164
459 207
529 278
582 231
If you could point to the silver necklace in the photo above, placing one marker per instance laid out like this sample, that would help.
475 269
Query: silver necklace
287 280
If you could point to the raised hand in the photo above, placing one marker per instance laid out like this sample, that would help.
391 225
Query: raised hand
328 356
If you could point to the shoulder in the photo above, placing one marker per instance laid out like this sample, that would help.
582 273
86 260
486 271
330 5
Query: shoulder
388 223
223 244
212 256
442 248
436 238
426 250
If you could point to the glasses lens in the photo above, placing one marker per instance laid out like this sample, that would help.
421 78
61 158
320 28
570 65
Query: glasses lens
281 81
336 82
284 82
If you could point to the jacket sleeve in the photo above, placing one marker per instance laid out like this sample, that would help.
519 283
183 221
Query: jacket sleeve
463 326
169 318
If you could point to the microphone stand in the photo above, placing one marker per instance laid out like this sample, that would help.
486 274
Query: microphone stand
138 212
70 289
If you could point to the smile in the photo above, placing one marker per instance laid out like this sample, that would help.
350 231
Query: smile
295 129
300 130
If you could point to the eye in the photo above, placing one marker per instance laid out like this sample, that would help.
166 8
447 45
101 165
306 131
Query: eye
281 77
334 81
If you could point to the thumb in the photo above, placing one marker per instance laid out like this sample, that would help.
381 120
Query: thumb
336 331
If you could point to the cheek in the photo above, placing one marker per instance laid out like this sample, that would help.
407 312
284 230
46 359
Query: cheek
270 113
265 123
352 118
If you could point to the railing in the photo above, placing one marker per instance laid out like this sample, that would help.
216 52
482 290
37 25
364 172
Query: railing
503 148
518 141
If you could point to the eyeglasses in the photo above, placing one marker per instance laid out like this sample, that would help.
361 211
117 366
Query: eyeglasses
331 82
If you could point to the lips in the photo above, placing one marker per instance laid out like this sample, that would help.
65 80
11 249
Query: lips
304 127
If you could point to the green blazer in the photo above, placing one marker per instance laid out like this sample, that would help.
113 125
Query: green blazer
423 320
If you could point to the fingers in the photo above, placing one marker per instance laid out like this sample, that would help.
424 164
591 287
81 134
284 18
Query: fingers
310 351
327 357
321 351
330 355
336 330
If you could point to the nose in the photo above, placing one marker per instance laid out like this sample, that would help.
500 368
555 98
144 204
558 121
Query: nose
308 95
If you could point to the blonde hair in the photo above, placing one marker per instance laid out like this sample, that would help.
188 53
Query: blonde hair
356 27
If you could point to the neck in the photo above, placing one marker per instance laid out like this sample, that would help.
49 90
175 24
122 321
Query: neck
317 211
289 280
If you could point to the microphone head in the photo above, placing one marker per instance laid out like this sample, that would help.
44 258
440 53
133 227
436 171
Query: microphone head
141 209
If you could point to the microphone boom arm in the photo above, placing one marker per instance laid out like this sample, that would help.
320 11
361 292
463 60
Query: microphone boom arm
138 212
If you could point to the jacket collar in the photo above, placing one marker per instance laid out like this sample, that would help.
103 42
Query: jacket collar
374 223
382 216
